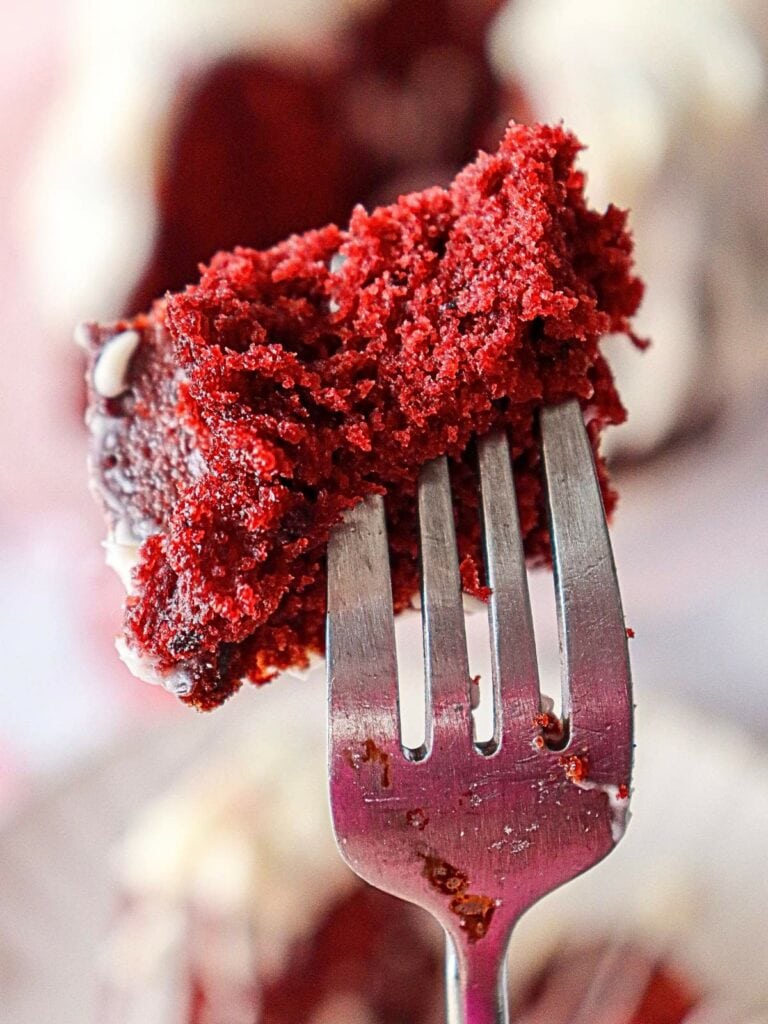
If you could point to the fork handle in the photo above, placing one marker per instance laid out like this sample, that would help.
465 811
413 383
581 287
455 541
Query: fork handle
476 985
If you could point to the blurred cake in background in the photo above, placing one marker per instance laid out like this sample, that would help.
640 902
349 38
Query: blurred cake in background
182 132
235 906
185 130
397 96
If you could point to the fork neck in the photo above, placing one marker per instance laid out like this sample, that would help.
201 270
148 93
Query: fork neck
476 983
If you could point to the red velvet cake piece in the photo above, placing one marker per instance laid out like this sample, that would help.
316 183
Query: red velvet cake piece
234 424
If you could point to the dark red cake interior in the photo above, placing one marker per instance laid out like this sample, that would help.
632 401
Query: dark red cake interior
287 384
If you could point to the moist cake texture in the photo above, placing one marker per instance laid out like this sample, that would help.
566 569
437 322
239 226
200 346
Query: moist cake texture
245 414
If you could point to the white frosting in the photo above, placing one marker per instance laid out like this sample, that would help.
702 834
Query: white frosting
123 558
110 374
176 681
82 336
337 262
122 552
618 805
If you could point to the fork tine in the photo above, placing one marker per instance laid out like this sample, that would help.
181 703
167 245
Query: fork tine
445 645
593 641
362 659
513 648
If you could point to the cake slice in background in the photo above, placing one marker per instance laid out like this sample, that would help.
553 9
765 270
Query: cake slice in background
179 135
234 904
181 130
232 898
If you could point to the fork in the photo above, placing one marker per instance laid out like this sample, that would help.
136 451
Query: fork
475 832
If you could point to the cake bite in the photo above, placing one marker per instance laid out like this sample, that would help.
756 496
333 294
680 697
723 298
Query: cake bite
234 423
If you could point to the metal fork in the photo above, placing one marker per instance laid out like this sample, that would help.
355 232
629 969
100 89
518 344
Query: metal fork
475 833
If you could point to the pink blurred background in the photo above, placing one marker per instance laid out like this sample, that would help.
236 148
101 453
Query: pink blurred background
63 691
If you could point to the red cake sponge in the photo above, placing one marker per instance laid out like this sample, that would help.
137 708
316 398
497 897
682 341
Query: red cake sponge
288 384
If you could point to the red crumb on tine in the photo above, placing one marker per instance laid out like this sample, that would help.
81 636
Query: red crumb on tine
417 818
443 876
623 792
474 913
630 633
373 754
551 728
576 767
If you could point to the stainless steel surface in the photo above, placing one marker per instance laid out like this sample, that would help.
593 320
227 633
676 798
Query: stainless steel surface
477 837
445 644
593 641
513 651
